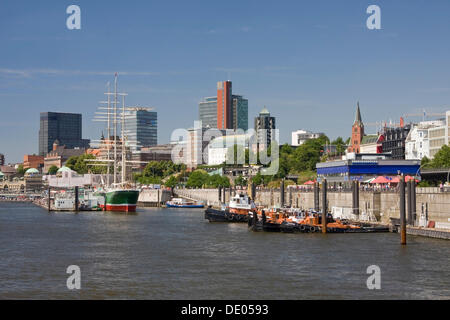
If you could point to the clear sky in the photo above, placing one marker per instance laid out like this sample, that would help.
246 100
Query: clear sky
309 62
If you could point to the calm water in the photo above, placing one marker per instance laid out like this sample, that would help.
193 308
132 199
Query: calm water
176 254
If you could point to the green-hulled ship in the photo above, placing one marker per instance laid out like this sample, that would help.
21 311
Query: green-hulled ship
119 196
121 200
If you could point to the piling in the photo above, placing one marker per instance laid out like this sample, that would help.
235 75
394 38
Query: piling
253 191
159 199
357 197
231 192
282 193
48 200
76 200
220 194
413 201
402 211
224 194
409 202
324 206
290 197
316 196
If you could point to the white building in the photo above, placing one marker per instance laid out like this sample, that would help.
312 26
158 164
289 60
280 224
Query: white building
218 148
427 137
301 136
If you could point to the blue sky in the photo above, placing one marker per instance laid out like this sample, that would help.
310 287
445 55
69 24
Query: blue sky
309 62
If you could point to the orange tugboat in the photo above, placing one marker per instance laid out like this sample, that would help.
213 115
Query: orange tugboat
237 210
305 222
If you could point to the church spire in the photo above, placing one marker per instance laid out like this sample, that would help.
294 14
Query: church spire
358 119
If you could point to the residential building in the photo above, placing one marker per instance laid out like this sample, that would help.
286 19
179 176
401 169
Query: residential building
357 132
394 139
417 143
59 155
141 127
156 153
265 129
64 127
2 159
299 137
372 143
439 136
33 161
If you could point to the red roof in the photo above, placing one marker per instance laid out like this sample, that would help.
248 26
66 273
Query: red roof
381 179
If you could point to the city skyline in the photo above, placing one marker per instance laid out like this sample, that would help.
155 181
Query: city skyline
307 62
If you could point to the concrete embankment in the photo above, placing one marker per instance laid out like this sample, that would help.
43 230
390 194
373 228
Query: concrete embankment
432 204
153 197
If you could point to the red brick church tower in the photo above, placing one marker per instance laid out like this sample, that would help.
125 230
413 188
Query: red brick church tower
357 132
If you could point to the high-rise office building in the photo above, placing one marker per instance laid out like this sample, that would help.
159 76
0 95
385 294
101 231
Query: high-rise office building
64 127
225 111
141 128
207 110
240 113
265 128
224 105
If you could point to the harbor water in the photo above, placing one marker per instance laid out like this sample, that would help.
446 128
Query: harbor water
176 254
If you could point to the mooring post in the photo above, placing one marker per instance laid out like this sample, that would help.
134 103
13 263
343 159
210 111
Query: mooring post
48 200
224 190
220 194
159 199
76 199
253 188
316 196
290 197
324 206
282 193
409 202
402 211
357 198
414 201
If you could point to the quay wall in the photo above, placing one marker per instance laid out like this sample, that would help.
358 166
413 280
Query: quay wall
153 197
382 205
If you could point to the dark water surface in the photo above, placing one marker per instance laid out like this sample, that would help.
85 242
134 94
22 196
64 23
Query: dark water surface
176 254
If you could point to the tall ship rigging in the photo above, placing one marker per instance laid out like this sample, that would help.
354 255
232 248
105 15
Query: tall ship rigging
119 194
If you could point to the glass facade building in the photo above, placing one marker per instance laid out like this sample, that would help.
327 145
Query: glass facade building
141 127
208 112
64 127
240 113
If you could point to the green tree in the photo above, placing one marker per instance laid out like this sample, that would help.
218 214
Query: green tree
340 145
52 170
171 182
20 170
442 158
240 181
197 179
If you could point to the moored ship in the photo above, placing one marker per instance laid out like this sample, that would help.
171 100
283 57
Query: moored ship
237 210
182 203
121 200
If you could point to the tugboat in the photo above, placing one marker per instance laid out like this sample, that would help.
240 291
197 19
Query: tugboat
182 203
305 222
237 211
